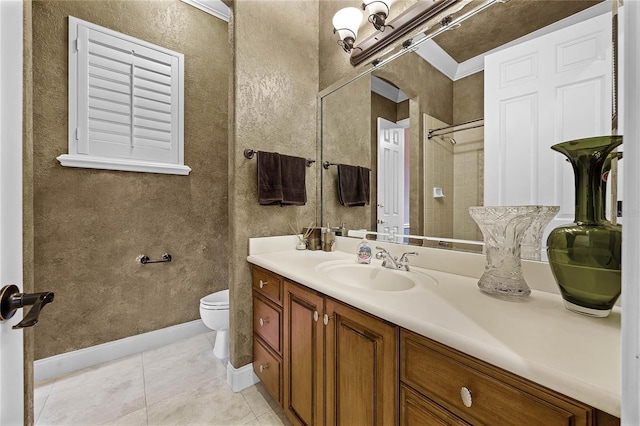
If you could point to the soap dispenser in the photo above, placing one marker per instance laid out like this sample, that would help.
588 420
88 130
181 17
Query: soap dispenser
364 251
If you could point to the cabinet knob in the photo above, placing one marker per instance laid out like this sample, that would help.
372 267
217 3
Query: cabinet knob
465 394
264 367
315 316
263 321
325 319
263 283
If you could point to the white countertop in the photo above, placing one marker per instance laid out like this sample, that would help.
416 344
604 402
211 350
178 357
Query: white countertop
537 339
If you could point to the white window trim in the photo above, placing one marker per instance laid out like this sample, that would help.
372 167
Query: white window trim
75 159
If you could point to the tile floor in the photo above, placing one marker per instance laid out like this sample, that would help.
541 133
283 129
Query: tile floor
178 384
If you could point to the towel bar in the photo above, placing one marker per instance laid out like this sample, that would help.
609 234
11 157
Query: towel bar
249 153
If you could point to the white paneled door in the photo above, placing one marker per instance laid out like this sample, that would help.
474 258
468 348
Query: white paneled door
390 177
552 89
11 358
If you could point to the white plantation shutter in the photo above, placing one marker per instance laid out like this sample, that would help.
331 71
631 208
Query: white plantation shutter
125 102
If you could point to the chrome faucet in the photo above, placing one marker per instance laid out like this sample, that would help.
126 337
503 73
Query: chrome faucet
391 262
403 263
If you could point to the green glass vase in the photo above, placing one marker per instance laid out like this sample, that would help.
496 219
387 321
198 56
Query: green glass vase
585 255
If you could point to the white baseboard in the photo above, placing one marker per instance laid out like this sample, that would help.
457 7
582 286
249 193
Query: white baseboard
241 378
58 365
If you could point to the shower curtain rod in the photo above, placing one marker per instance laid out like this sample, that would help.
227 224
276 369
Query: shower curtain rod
432 131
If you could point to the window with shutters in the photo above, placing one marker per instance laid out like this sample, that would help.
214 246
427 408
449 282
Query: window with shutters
126 103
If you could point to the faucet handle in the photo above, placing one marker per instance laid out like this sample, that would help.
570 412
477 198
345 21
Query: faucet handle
403 258
382 253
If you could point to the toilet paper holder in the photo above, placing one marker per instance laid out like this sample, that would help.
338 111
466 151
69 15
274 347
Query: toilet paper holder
144 259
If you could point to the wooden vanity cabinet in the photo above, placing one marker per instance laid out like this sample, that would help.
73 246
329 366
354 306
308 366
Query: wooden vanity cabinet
267 330
328 363
339 359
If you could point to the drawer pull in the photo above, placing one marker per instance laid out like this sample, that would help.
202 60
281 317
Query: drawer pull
264 367
263 283
465 394
263 321
315 316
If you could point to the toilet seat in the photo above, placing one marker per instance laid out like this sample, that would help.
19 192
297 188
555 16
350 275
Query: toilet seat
216 301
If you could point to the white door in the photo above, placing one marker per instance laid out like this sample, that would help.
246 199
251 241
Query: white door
11 359
390 177
545 91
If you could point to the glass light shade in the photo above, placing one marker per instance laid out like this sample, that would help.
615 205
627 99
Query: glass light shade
377 6
347 22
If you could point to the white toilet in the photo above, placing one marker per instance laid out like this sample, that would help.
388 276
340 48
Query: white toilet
214 311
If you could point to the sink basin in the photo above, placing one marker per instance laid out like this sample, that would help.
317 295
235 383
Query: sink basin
371 277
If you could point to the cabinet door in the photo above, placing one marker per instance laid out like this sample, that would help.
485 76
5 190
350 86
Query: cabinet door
362 367
303 355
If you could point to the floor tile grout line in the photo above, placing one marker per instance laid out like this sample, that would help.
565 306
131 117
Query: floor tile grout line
144 387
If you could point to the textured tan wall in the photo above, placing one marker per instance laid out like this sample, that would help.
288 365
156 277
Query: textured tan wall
90 225
468 98
346 139
468 162
274 98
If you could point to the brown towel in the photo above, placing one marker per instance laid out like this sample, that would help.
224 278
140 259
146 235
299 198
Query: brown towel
353 185
269 178
364 173
293 171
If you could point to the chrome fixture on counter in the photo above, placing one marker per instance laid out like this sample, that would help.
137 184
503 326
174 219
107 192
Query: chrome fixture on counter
393 262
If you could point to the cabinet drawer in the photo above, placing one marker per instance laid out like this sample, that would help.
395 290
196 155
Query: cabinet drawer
493 395
416 410
267 284
268 368
266 323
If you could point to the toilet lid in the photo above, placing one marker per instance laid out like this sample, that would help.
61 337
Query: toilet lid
218 299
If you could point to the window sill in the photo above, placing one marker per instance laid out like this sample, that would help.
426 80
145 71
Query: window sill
88 162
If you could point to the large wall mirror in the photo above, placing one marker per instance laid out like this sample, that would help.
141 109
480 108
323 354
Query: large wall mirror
466 118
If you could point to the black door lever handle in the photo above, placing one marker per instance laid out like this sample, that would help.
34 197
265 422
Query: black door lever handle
11 300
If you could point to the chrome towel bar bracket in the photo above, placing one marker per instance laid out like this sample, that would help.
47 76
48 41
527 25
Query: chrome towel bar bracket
144 259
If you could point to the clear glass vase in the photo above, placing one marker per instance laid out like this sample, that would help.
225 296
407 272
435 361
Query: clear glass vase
503 228
585 256
532 240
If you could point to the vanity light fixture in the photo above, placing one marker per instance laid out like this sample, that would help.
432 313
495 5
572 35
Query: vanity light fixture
346 23
378 11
